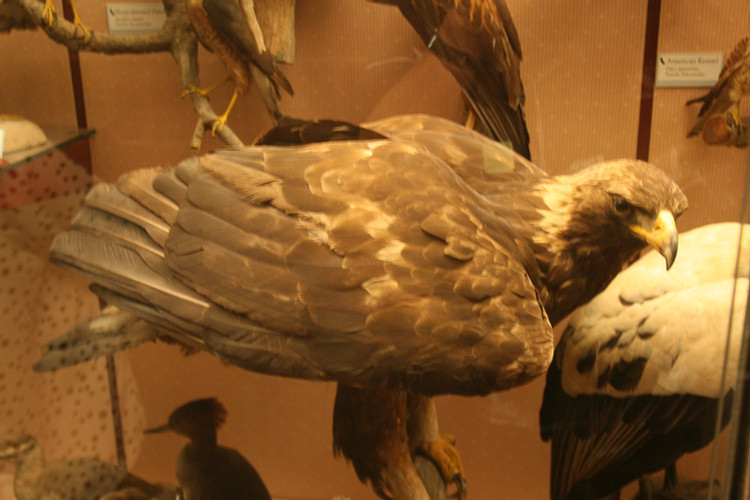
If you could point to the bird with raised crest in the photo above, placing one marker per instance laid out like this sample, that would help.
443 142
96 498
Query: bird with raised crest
204 469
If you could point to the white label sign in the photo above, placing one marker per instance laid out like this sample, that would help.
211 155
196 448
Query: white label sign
688 69
135 18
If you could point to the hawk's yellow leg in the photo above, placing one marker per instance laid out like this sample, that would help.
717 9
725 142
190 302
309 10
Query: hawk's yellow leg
79 24
192 89
443 453
220 121
49 11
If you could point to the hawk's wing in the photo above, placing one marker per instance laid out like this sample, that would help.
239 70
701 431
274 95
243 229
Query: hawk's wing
370 262
228 21
637 375
477 42
733 83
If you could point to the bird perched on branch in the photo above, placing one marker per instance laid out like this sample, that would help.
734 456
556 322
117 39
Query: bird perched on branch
84 478
233 33
425 259
50 13
205 470
733 84
477 41
637 377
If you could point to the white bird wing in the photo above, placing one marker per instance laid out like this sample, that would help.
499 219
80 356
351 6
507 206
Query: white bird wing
637 376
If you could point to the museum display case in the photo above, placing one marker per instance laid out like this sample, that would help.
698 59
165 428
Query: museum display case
592 93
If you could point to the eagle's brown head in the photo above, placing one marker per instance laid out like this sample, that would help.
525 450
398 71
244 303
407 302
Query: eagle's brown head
596 221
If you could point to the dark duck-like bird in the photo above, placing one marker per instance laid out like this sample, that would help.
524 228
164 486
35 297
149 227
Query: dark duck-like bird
414 259
205 470
637 377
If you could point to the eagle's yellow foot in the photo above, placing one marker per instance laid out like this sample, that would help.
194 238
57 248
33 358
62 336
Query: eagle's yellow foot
443 452
48 12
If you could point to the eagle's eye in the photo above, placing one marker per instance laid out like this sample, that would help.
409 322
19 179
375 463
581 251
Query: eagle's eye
621 206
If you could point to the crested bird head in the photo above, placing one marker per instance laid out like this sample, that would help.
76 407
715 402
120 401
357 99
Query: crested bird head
198 420
14 447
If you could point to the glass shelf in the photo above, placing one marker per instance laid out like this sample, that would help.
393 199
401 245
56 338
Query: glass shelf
57 138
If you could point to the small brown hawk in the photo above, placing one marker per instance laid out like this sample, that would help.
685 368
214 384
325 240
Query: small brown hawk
728 91
222 28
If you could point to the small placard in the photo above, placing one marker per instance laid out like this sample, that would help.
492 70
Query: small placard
688 69
135 18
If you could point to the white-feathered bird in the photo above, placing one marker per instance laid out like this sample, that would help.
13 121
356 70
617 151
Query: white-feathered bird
637 375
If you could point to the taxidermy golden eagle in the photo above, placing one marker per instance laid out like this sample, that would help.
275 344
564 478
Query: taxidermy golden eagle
424 259
477 41
637 376
733 84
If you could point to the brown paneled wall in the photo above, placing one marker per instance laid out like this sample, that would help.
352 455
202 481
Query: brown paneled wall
359 61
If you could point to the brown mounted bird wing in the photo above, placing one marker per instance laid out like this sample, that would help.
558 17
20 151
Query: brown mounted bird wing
477 41
369 262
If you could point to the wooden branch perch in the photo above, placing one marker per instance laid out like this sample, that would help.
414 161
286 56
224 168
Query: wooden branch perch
176 36
726 130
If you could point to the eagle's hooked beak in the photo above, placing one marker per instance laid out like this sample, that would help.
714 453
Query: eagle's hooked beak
662 235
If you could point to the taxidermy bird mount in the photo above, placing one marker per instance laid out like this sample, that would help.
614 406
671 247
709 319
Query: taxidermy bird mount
426 260
232 31
178 36
71 479
733 84
205 470
477 42
637 377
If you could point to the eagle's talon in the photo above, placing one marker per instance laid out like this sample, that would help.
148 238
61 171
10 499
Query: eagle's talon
445 456
460 482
